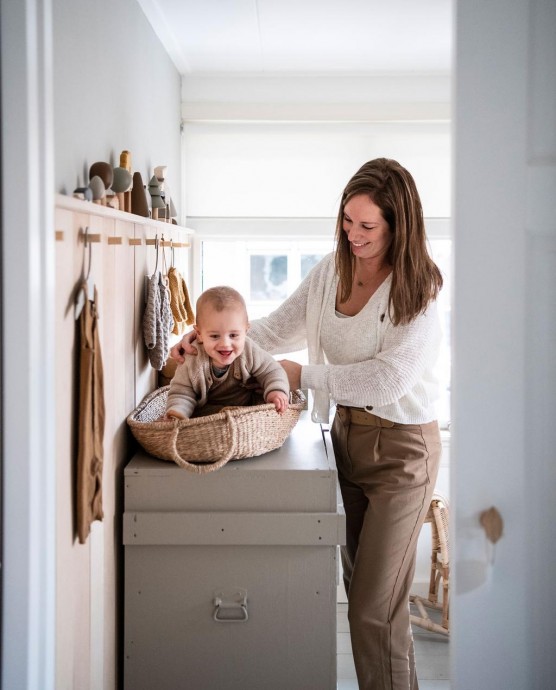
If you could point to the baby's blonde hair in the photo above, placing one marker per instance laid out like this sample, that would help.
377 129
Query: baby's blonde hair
219 298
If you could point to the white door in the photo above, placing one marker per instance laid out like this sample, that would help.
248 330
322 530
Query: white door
504 382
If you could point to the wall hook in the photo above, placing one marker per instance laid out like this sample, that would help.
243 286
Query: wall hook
164 267
89 246
156 246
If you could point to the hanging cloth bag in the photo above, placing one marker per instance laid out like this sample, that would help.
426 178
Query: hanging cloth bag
91 418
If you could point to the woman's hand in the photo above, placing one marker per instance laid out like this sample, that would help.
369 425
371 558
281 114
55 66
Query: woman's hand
184 347
293 371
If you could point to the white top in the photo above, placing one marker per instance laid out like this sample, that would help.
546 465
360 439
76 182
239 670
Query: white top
363 360
354 329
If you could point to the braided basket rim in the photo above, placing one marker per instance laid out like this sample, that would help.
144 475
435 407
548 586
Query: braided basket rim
161 438
194 421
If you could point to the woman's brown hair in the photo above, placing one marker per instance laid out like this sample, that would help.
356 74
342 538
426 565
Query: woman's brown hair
416 279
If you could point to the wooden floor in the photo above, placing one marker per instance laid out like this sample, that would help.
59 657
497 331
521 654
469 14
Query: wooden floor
431 652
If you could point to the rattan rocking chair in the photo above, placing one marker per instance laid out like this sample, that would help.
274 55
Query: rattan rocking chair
439 586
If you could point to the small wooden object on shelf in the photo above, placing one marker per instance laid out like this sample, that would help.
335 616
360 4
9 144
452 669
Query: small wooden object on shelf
122 184
139 203
125 162
157 202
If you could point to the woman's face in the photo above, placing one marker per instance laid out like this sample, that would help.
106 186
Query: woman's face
368 233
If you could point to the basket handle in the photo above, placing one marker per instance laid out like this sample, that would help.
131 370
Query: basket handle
205 467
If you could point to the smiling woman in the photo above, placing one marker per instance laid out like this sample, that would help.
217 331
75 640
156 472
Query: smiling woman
371 353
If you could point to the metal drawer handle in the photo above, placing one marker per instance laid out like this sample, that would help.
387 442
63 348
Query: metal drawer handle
231 607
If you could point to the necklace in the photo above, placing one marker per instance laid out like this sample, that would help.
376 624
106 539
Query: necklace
361 283
374 279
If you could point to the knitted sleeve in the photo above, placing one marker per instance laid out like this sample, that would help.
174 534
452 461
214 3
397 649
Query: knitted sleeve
405 354
270 375
181 396
285 329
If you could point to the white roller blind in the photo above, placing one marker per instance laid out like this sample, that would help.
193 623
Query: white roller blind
295 169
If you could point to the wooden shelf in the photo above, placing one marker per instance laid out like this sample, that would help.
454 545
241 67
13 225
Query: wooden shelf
78 205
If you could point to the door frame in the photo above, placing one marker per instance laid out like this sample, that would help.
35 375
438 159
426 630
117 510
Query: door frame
28 520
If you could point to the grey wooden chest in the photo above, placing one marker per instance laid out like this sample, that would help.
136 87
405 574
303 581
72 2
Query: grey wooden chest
230 577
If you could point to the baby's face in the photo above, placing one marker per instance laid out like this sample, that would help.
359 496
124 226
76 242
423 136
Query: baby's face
222 333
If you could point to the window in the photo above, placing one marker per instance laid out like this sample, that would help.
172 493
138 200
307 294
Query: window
265 272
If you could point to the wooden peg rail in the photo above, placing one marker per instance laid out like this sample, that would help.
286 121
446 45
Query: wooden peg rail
134 242
167 243
93 237
133 225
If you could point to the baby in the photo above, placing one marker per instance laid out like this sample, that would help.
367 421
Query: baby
228 366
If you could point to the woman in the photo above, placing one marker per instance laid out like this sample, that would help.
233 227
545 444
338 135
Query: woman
367 314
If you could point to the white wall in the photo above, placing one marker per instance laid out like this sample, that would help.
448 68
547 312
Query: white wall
316 97
115 88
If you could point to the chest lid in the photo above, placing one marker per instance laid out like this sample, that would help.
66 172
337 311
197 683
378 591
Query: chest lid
298 477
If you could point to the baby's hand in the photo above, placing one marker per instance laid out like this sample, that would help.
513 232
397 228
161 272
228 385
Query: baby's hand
279 399
173 414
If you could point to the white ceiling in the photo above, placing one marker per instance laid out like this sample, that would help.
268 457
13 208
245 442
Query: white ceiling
330 37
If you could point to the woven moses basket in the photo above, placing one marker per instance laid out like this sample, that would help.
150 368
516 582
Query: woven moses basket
204 444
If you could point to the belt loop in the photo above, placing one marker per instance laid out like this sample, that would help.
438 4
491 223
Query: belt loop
344 413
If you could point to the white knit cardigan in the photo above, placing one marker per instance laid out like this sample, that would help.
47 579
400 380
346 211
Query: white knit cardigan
396 382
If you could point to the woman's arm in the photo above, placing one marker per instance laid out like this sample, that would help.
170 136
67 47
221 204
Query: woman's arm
185 346
293 372
281 331
406 353
284 329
